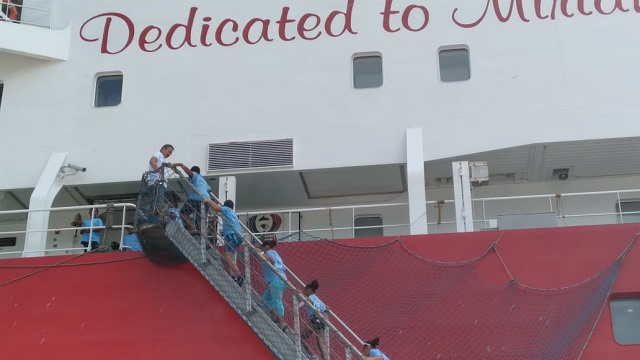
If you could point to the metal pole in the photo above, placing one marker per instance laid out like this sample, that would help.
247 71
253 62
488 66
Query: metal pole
326 334
124 213
296 326
203 232
247 278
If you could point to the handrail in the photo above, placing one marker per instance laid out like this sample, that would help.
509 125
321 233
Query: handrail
122 206
300 297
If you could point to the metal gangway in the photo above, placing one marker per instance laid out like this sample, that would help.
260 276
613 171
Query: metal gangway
164 233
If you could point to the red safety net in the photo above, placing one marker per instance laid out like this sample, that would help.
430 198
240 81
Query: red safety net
426 309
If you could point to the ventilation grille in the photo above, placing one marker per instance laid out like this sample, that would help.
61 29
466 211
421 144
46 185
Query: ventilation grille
250 154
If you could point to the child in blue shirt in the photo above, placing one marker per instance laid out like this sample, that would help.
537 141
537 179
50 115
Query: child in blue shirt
95 233
273 295
370 350
316 325
230 229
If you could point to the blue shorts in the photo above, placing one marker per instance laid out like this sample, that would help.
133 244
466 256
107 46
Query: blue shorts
232 242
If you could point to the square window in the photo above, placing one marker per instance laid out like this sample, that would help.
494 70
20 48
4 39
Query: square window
367 71
629 211
625 315
108 90
454 65
367 226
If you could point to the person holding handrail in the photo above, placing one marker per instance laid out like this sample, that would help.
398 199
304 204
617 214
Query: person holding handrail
273 295
193 202
130 241
90 224
231 230
316 325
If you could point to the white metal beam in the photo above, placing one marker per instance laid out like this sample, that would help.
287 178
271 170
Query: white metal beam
462 196
415 183
42 197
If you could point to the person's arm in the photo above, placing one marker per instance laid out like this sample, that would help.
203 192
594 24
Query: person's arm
154 164
212 204
269 258
185 168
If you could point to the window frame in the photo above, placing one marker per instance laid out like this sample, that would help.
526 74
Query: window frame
96 84
361 55
620 211
453 48
621 332
368 228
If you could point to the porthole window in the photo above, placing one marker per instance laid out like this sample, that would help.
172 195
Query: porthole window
625 315
367 71
454 64
367 226
108 90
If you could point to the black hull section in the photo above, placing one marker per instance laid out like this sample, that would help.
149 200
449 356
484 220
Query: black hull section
158 247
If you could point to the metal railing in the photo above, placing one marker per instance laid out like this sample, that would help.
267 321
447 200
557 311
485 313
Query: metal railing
29 12
297 298
602 210
61 230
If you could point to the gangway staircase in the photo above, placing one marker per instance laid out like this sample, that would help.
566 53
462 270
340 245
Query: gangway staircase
163 236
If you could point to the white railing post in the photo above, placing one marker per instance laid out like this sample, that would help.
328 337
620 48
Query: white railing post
620 208
247 278
203 231
296 326
124 214
326 336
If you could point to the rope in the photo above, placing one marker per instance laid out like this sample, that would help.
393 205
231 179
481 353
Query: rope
60 264
439 206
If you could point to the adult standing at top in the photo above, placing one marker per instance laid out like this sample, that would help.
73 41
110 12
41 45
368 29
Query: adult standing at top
157 180
196 196
273 295
231 231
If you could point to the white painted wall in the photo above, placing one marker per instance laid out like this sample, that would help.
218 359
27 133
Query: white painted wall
566 79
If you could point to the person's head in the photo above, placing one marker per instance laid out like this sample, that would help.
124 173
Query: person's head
269 244
93 212
228 203
311 288
130 227
373 342
166 150
195 169
115 246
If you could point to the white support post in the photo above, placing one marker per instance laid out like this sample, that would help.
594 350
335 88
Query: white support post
227 189
203 231
462 196
42 197
296 327
415 183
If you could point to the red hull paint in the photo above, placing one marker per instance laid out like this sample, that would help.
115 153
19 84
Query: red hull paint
135 310
120 310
